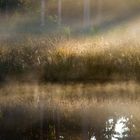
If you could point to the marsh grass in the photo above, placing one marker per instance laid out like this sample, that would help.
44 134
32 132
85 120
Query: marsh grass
67 60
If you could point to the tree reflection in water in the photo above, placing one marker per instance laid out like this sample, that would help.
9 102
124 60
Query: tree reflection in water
117 129
57 116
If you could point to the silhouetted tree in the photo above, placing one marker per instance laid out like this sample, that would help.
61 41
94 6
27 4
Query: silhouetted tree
13 5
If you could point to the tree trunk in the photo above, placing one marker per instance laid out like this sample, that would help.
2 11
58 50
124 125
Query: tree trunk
86 13
59 11
43 12
99 11
6 9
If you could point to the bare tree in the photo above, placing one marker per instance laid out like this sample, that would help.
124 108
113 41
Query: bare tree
59 11
43 12
86 14
6 8
99 11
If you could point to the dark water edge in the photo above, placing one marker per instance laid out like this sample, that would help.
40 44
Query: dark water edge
59 127
112 128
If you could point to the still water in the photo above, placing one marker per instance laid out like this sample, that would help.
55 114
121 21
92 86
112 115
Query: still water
121 128
68 113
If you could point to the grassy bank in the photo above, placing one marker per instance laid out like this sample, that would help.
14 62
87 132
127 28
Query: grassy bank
55 60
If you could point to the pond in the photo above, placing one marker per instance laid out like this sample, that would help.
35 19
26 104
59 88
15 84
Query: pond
69 112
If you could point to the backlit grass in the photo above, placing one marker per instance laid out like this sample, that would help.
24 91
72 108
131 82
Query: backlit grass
54 60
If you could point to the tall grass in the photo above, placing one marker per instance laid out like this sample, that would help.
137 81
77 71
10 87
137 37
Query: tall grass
54 60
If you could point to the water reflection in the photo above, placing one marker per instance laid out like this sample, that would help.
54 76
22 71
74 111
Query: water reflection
60 128
61 137
121 128
93 138
117 129
53 117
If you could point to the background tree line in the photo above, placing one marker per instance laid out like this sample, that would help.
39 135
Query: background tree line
14 5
